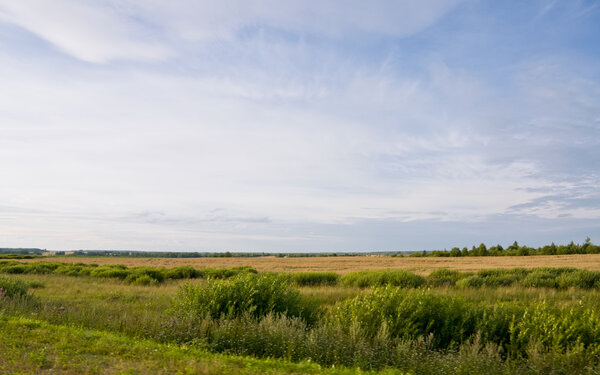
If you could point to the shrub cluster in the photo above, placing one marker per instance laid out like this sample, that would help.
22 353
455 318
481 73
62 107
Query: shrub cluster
398 278
315 278
131 275
562 277
250 294
10 288
386 327
453 321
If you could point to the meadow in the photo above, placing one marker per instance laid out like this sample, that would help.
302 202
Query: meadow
58 317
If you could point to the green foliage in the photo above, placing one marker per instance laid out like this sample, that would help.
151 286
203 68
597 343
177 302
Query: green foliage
315 278
562 330
182 272
118 271
132 275
254 294
11 288
580 279
472 281
540 278
514 250
444 277
409 314
145 276
502 277
74 350
399 278
434 331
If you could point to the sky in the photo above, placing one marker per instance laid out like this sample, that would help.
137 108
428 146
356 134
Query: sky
282 125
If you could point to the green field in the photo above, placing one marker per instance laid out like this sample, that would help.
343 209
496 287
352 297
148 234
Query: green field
240 321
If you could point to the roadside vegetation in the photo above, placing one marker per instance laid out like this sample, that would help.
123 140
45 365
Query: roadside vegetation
502 321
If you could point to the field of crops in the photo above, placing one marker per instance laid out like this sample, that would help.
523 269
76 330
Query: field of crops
84 318
345 264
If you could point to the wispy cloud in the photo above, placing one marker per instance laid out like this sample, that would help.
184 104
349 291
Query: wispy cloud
91 31
308 127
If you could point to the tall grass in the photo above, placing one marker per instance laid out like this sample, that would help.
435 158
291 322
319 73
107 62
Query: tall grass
420 331
400 278
315 278
256 295
11 288
130 275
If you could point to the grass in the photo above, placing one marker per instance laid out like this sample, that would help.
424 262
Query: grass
35 347
143 314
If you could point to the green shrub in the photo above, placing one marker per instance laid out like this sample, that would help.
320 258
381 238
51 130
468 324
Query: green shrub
141 280
472 281
111 271
562 330
182 272
502 277
145 276
444 277
223 273
16 269
409 314
10 288
42 267
247 293
581 279
315 278
540 278
399 278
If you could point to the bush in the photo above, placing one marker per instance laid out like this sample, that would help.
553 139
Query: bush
409 314
10 288
540 278
472 281
111 271
223 273
315 278
256 295
145 276
562 330
16 269
444 277
580 279
182 272
141 280
502 277
399 278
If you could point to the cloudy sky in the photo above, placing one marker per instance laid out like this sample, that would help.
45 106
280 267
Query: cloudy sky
298 125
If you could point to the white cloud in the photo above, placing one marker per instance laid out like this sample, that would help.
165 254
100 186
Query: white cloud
285 139
88 30
204 20
102 31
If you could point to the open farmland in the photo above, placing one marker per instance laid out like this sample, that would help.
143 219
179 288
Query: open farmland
346 264
90 318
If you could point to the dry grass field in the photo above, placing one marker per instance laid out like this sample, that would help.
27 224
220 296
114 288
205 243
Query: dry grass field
345 264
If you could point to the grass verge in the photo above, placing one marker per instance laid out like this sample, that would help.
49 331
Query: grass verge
34 347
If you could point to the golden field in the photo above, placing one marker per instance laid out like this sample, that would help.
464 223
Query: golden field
345 264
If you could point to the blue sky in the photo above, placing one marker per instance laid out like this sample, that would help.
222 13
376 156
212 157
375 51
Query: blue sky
298 126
